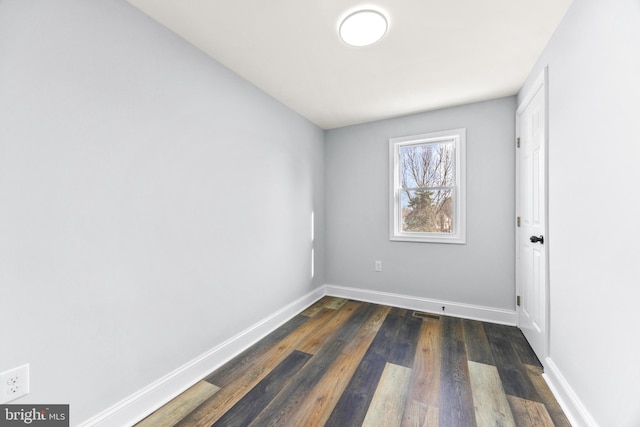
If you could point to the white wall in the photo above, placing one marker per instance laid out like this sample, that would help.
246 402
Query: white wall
594 91
357 173
152 203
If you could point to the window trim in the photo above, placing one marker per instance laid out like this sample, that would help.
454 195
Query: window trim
458 137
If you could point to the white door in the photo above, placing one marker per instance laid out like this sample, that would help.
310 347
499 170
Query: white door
531 213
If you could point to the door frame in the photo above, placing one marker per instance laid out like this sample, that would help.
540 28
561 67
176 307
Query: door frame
541 83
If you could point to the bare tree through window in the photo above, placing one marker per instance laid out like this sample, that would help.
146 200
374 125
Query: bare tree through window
427 187
428 183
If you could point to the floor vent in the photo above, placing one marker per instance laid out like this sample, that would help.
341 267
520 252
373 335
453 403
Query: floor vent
422 315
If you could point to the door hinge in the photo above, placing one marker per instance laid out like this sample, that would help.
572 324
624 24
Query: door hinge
518 142
518 300
518 221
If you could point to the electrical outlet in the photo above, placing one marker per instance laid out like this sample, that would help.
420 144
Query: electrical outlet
14 383
378 266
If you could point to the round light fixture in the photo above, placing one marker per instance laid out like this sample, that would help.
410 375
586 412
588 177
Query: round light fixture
363 28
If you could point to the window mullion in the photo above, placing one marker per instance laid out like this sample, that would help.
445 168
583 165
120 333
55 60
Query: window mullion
422 212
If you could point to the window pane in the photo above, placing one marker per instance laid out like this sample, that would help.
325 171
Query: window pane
427 211
427 165
427 200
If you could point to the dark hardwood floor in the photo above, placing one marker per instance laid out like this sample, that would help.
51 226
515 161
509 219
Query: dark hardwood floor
347 363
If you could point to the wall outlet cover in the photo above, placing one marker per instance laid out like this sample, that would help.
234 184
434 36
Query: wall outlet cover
14 383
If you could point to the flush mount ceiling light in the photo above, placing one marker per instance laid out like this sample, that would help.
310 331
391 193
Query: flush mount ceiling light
363 28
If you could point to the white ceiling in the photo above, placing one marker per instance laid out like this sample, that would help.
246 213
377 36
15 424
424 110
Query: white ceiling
436 53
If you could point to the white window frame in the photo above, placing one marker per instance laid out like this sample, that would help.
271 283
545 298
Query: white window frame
458 138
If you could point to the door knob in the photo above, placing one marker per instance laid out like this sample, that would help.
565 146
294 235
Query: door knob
536 239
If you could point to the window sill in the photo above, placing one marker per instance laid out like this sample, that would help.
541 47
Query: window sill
455 239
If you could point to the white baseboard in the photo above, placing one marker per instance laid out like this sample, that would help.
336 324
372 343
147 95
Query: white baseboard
572 406
455 309
142 403
137 406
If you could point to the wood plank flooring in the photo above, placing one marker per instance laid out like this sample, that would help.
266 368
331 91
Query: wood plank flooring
346 363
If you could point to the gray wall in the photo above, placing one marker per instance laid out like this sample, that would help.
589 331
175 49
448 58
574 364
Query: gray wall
594 90
153 204
357 208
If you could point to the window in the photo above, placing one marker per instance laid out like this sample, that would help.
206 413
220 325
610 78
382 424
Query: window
427 187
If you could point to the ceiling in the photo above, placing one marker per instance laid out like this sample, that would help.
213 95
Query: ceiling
436 53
